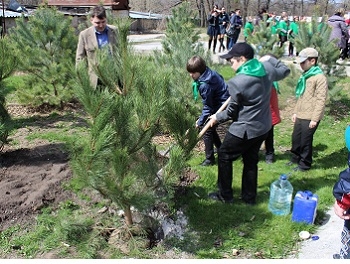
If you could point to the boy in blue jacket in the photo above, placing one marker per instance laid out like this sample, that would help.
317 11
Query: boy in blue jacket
211 86
341 192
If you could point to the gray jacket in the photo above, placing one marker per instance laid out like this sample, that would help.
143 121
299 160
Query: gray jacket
249 108
339 30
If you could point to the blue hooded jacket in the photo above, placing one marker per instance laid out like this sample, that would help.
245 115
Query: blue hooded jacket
341 189
214 93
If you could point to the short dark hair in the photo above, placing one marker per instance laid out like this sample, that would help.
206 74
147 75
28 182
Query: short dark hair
315 58
196 64
99 12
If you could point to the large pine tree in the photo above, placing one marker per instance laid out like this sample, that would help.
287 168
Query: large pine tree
46 45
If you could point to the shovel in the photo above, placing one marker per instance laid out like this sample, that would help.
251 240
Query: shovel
204 129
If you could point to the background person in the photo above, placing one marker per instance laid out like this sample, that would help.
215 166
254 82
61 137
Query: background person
213 27
248 28
339 32
237 23
292 33
99 36
282 26
223 21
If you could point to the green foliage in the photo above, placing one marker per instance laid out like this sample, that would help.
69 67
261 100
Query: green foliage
46 47
8 64
181 43
316 35
264 41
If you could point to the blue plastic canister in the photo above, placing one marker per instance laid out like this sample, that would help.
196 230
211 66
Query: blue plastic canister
304 207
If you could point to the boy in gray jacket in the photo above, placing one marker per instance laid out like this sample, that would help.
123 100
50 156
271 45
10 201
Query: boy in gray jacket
249 109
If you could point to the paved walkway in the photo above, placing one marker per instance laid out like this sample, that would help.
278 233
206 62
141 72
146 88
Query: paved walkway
328 242
148 42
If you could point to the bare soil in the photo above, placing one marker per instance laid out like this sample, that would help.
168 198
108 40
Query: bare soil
31 171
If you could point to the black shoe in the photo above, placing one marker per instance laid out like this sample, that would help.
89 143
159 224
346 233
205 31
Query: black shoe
299 169
251 202
208 163
217 197
269 159
336 256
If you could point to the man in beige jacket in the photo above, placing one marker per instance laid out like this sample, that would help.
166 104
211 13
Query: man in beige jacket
99 36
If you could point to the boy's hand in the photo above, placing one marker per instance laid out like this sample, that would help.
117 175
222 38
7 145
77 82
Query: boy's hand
340 211
312 124
212 120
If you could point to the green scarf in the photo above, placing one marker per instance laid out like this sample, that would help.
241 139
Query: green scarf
252 67
195 88
314 70
277 87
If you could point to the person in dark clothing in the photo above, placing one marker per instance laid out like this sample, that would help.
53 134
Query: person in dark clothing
213 28
341 193
212 88
223 22
249 110
237 23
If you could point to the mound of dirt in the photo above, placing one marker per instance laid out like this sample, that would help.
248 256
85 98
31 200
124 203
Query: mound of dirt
29 180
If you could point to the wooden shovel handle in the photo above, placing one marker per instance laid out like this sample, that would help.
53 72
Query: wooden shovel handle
222 108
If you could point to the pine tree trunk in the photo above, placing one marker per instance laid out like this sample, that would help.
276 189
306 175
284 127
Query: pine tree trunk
128 216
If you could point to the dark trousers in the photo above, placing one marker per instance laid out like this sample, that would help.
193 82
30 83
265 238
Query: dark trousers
291 48
231 149
283 39
269 148
302 138
211 138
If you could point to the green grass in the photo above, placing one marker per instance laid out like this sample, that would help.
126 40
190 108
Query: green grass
214 229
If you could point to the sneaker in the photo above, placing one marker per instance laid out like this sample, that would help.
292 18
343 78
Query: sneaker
208 163
336 256
217 197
